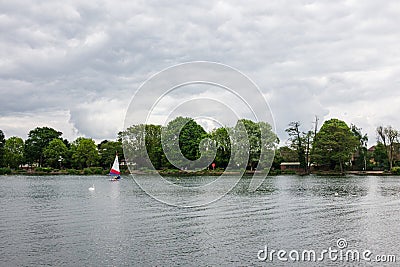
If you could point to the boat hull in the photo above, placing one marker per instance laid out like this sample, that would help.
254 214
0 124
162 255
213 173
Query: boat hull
116 179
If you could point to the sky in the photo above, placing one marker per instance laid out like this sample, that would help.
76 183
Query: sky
76 65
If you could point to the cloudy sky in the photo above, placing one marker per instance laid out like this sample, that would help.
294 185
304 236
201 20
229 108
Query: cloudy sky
75 66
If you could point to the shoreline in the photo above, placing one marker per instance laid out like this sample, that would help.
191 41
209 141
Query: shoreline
180 173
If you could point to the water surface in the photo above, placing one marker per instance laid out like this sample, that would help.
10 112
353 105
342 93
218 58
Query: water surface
57 221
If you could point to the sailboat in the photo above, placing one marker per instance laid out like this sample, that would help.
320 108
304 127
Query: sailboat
114 172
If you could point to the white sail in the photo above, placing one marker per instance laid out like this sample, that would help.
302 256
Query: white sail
115 168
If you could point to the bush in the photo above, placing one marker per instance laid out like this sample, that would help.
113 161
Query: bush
4 171
97 170
43 169
93 170
38 169
289 172
73 172
87 171
396 170
274 172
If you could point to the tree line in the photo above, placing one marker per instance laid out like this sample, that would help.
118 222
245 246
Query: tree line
339 147
183 138
45 147
335 146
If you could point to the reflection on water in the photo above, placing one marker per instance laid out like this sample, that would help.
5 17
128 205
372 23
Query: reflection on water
58 221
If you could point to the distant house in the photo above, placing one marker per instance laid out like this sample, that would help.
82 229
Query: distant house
292 166
28 167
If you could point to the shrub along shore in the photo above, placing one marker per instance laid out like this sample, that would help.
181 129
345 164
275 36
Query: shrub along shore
40 171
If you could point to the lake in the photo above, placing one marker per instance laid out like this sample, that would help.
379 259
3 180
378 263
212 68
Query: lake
57 221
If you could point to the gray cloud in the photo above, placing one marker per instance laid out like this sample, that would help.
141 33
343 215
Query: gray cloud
76 65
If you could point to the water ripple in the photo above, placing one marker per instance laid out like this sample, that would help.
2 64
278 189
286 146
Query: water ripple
57 221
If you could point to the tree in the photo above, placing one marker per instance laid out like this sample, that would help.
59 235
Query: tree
380 156
189 137
284 154
299 143
67 158
182 136
335 143
38 140
107 150
262 142
14 152
389 137
153 145
269 143
133 141
55 153
142 145
2 143
254 137
361 152
287 154
223 144
84 153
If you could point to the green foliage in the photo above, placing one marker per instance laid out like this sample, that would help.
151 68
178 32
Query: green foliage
284 154
153 145
380 156
274 172
84 153
334 144
396 170
361 150
142 145
14 152
182 136
223 144
38 140
189 137
388 136
2 144
254 136
107 150
73 172
55 153
133 140
262 143
44 169
269 143
289 172
287 154
93 170
4 171
97 170
298 140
